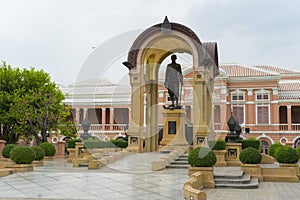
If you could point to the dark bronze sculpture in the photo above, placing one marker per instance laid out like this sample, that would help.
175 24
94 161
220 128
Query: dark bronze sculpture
172 79
234 130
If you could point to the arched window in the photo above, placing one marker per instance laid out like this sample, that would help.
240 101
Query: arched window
297 143
264 147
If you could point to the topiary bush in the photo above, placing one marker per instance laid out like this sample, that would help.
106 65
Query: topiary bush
250 155
286 154
120 143
22 155
6 150
48 148
217 144
39 153
298 151
251 142
202 157
273 148
71 143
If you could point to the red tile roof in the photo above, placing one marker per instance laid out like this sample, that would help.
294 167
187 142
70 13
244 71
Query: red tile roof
289 85
242 71
277 69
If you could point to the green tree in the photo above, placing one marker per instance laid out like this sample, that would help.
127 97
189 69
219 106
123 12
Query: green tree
32 103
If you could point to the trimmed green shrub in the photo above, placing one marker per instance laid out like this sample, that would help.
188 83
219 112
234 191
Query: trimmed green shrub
6 150
250 155
298 151
93 143
39 153
273 148
120 143
217 144
251 142
286 154
202 157
71 143
22 155
48 148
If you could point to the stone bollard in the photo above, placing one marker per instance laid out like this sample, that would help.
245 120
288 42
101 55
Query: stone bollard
2 144
61 145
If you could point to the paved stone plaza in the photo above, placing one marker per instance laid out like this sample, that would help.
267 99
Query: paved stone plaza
128 178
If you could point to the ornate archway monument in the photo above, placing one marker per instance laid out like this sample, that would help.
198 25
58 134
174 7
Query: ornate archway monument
144 58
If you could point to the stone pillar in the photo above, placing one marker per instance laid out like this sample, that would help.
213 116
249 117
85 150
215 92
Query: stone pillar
111 118
2 144
85 113
77 118
289 117
60 149
103 118
200 109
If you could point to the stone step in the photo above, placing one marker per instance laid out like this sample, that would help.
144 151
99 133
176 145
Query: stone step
252 184
179 166
229 175
246 178
83 164
179 162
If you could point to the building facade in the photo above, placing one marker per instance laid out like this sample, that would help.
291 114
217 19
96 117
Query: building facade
264 100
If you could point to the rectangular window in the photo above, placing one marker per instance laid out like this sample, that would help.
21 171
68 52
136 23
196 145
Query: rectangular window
262 115
266 97
234 97
259 96
241 97
238 113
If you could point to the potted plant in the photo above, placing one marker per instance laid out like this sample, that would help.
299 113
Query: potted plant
288 157
23 157
273 148
218 147
39 156
49 150
202 159
251 159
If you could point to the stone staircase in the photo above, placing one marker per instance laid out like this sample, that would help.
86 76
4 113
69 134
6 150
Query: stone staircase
180 163
232 177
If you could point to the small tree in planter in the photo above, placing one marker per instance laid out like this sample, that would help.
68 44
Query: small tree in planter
49 149
202 159
39 156
251 159
273 148
288 157
23 157
7 149
286 154
298 152
218 147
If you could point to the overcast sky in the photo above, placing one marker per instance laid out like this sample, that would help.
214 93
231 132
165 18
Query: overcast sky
59 35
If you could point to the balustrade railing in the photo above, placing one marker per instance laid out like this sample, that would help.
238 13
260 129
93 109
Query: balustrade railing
107 127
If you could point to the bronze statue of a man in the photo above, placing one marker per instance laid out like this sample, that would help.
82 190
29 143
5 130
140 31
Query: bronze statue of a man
172 79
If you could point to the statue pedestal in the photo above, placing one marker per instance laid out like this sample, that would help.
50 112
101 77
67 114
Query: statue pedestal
174 128
233 151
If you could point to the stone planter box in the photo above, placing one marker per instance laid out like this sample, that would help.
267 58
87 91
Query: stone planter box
254 170
296 166
22 167
6 162
71 155
48 158
208 173
38 163
220 154
280 174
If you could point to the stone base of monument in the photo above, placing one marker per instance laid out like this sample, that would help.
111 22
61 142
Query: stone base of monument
233 151
174 129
